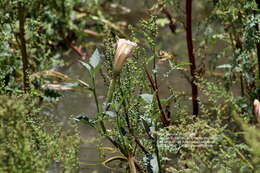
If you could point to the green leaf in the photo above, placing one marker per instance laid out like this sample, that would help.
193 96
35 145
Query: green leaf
95 59
148 98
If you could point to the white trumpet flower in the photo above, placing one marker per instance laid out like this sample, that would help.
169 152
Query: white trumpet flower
123 50
257 109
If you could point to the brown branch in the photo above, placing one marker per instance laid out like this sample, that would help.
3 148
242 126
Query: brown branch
131 162
92 33
82 11
104 21
74 48
191 56
22 19
164 120
138 166
172 24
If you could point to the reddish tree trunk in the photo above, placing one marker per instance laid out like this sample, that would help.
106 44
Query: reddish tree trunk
191 56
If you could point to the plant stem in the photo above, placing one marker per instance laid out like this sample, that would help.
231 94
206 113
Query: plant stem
108 100
102 125
97 104
95 93
191 56
21 16
242 85
131 163
164 120
172 24
75 49
131 131
157 151
110 91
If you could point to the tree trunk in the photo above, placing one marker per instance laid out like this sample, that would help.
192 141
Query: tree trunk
191 56
21 16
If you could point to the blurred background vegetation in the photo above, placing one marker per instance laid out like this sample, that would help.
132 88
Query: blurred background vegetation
56 64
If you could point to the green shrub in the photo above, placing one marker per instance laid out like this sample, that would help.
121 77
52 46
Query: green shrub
30 142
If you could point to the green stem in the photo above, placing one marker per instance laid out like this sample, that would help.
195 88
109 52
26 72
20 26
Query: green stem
97 104
110 91
109 99
157 151
95 93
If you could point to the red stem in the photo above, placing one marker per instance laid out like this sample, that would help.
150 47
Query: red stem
74 48
191 56
164 120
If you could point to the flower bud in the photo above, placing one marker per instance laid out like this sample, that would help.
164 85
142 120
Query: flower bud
257 109
123 50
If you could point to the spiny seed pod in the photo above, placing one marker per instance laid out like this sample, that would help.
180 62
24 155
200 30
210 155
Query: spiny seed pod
123 50
257 109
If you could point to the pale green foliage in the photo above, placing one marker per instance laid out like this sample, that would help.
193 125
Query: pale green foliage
239 20
30 142
226 150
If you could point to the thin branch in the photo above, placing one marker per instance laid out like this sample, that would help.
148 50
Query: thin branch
82 11
103 20
172 24
155 89
131 162
92 33
138 166
74 48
